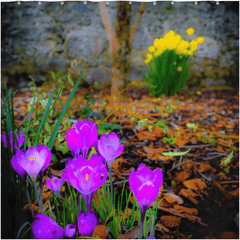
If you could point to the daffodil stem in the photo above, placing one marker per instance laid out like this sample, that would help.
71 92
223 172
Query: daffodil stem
37 194
110 171
29 200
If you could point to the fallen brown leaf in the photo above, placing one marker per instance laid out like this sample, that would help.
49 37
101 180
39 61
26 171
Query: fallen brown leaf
172 197
229 235
181 209
101 231
188 193
130 234
35 208
195 184
170 221
182 176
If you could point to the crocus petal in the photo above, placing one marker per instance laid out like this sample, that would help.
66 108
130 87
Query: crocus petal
20 139
114 140
118 152
146 194
44 153
73 141
96 147
20 142
15 164
88 133
4 139
157 177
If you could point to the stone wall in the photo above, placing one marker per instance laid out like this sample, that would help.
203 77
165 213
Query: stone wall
39 38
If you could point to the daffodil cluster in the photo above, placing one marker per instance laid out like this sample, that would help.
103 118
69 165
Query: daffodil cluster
172 40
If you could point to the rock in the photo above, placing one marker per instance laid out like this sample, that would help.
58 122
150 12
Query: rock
210 82
100 75
85 42
208 49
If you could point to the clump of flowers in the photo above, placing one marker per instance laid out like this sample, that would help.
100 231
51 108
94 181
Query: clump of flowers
85 175
168 62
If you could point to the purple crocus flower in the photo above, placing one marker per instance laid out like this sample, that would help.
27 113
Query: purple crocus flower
20 139
45 227
87 221
55 183
81 137
32 161
86 176
70 230
109 147
145 185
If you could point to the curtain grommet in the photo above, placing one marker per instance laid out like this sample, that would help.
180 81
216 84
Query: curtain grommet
172 2
154 3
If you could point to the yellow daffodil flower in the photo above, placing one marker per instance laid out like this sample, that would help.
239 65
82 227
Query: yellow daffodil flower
190 31
151 49
200 40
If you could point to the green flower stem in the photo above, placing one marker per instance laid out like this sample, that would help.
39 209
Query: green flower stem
140 231
78 205
40 185
143 212
60 196
29 200
37 194
110 171
105 187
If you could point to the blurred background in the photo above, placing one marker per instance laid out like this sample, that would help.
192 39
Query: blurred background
38 39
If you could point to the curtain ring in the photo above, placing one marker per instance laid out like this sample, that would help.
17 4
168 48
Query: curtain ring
195 2
154 3
39 2
217 2
62 2
18 2
130 2
85 2
172 2
107 3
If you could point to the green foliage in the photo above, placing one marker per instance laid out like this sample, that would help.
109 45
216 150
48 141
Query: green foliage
176 153
169 8
163 75
12 185
228 159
